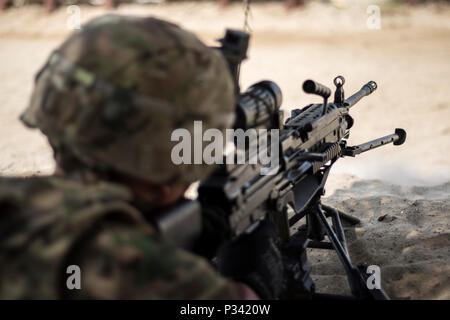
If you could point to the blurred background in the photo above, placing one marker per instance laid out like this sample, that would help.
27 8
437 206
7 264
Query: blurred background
402 45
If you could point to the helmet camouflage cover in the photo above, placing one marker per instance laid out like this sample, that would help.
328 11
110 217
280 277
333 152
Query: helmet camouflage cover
113 93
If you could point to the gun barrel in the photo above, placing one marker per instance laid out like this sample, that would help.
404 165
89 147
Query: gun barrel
367 89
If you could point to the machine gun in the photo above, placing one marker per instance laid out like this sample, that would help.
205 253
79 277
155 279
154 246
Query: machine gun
308 144
238 195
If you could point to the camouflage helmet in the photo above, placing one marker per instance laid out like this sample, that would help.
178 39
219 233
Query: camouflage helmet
113 93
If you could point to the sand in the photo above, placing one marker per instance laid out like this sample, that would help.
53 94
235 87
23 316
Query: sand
408 58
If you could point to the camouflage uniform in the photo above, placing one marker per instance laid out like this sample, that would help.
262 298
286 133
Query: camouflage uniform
48 224
110 96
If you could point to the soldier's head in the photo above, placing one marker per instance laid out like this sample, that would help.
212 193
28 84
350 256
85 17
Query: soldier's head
110 96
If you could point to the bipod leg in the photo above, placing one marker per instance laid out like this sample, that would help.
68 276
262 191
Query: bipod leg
357 277
346 217
352 272
337 226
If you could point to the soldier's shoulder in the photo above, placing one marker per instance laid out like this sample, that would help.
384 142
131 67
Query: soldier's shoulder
43 220
49 224
54 191
121 262
59 203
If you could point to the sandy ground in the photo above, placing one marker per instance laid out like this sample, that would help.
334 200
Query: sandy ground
408 58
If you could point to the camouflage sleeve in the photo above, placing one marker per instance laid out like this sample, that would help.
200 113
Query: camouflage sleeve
121 262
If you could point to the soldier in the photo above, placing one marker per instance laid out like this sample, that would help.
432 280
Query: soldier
108 99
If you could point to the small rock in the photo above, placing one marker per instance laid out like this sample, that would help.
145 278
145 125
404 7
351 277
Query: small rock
387 218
